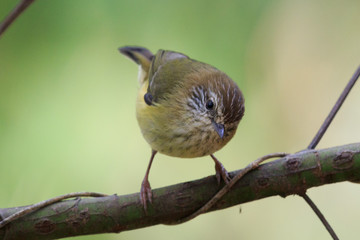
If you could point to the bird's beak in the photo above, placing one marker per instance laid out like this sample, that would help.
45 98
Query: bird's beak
219 128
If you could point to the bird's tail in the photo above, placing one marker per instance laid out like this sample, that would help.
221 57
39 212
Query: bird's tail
141 56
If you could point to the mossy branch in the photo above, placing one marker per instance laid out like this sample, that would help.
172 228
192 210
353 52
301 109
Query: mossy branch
293 174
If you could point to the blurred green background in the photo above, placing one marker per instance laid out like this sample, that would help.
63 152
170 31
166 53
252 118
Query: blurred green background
67 103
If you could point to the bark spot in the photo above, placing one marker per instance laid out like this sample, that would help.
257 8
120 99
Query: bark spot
292 164
263 182
343 160
44 226
79 218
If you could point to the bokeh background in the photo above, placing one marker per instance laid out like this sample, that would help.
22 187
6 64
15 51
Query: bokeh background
67 103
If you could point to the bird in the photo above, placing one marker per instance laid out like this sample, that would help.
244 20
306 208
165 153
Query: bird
185 108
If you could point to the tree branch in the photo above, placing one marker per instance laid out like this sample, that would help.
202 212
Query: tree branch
318 137
293 174
42 204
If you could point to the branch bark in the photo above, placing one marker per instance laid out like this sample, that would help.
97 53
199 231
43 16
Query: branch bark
293 174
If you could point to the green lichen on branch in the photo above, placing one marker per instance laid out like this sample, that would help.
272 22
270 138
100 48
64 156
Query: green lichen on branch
293 174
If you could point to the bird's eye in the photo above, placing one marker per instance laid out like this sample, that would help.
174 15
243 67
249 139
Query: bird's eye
209 105
148 98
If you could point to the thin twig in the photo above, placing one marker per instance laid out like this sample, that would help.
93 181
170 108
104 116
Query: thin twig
227 187
317 139
334 110
23 4
36 206
321 216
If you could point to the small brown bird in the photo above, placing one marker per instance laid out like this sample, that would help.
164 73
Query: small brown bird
185 108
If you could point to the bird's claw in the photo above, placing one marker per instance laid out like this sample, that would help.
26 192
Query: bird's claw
145 193
221 173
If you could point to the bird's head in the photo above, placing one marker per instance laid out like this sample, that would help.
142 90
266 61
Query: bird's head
215 101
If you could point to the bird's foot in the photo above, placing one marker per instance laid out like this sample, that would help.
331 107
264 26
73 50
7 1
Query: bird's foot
221 172
145 193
